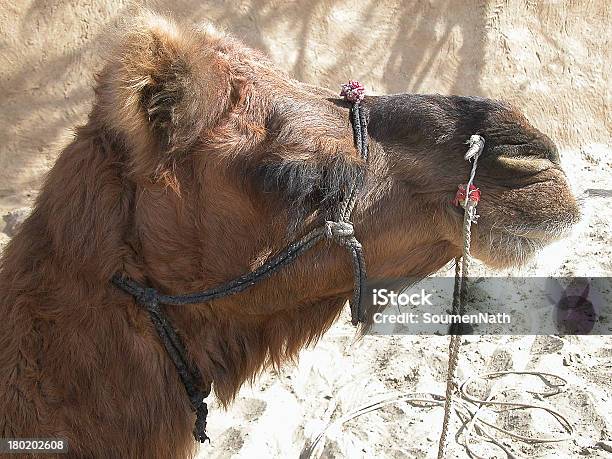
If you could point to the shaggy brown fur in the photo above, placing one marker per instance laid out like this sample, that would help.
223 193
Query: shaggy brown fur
200 160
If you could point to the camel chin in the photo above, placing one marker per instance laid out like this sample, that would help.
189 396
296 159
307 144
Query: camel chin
509 234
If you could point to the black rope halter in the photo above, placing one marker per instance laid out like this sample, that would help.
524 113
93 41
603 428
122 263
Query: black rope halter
340 230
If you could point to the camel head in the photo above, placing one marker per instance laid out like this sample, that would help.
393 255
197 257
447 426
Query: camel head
223 160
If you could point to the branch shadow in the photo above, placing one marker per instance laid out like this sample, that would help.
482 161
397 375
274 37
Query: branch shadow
411 47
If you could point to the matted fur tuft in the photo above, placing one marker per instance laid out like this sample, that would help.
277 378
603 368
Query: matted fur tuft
163 87
309 186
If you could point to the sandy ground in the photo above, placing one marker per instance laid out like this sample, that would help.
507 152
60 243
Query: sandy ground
551 59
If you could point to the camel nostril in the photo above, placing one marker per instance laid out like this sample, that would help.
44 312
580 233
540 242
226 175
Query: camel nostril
528 152
547 149
553 155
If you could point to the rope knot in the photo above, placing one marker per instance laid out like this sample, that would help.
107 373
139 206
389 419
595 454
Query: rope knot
199 432
339 230
147 297
462 194
353 91
476 144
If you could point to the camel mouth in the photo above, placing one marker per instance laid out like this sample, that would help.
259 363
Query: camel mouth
517 222
513 245
544 233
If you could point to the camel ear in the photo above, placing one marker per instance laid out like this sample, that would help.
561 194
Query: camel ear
165 86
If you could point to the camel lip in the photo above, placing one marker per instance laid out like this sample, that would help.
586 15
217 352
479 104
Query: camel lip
523 178
535 235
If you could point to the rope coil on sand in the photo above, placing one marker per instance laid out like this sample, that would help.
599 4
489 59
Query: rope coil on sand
469 409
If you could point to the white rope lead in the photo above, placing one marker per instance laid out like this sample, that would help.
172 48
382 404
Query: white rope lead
467 407
476 143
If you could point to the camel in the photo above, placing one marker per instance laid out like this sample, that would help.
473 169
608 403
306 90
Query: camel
199 161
